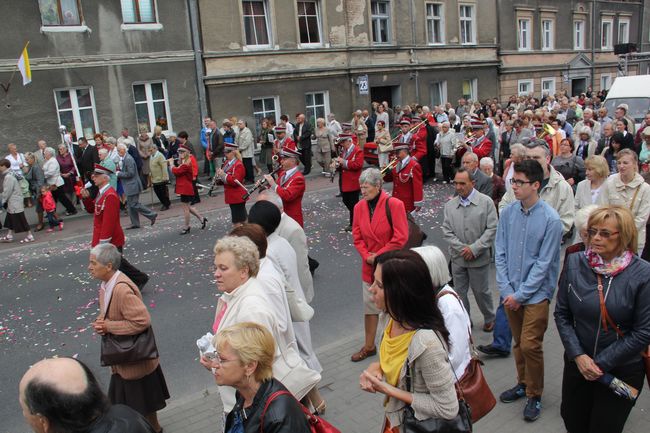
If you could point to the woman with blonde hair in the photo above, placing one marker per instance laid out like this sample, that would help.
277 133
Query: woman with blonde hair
324 144
588 190
160 140
185 188
359 128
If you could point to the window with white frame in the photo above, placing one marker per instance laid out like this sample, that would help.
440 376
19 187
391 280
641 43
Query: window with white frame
76 110
467 26
606 26
548 35
605 81
435 23
525 87
548 86
438 93
317 104
623 30
138 11
380 11
266 107
524 34
256 22
152 105
470 89
579 35
309 23
60 12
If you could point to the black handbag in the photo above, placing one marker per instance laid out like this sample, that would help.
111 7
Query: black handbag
122 349
416 235
461 423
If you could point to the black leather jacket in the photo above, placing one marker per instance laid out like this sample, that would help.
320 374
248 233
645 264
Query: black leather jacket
121 419
283 415
577 312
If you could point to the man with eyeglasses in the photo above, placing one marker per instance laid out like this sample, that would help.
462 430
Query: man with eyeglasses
527 269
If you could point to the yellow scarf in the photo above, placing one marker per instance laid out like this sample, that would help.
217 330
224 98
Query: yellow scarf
393 352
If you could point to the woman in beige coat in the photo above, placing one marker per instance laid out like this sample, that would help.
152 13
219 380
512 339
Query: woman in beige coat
325 144
12 196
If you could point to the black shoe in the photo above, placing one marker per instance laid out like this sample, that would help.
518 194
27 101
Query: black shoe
204 223
164 208
339 195
513 394
185 231
533 408
68 213
313 265
133 228
492 351
153 220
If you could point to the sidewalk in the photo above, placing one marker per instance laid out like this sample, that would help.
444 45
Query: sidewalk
354 411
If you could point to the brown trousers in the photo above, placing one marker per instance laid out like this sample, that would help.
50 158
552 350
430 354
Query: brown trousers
528 325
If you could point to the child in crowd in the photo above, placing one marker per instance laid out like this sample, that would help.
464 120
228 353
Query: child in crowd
49 207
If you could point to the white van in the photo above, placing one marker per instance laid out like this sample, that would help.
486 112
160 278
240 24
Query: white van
633 91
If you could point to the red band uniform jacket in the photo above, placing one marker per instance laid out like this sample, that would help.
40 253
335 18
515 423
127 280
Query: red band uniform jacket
407 184
183 175
375 235
234 171
106 223
482 147
291 190
419 143
351 169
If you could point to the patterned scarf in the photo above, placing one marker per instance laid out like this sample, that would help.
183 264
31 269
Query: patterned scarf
611 268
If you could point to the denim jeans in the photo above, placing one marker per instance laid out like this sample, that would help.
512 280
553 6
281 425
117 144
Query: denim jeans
502 334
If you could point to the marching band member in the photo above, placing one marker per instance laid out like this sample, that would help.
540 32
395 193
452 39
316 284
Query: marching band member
405 136
407 179
184 174
291 182
419 140
232 174
482 146
350 163
281 139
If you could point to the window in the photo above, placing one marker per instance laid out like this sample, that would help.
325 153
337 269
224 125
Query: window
256 23
76 110
548 86
606 34
309 22
438 93
623 30
380 11
523 34
60 12
316 105
548 36
525 87
467 30
269 107
435 24
578 35
152 105
138 11
470 89
605 82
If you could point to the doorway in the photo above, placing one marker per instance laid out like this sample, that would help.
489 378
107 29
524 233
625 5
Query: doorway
578 86
390 94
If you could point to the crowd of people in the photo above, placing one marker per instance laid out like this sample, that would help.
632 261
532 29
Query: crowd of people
529 176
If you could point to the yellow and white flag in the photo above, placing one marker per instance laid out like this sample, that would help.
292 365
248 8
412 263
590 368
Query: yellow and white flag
24 68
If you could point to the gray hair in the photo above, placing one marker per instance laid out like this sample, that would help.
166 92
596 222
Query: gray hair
49 150
271 196
540 143
486 162
107 254
103 151
243 249
446 123
518 149
581 217
371 176
121 146
437 264
470 156
111 140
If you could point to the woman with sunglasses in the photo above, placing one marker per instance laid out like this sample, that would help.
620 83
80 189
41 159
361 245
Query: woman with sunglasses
628 189
603 317
185 188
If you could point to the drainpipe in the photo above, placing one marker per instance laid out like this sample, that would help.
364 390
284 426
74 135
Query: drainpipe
197 47
593 43
413 52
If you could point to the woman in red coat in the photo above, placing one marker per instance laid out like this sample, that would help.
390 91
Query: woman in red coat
185 187
373 235
232 175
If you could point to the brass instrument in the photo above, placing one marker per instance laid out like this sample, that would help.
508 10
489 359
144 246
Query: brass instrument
216 180
393 162
262 183
334 165
547 129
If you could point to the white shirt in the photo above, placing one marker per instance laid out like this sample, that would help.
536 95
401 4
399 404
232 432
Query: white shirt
458 324
108 287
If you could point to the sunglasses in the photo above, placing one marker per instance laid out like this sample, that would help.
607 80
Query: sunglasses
605 234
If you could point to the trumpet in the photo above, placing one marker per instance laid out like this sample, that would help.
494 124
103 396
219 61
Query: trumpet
334 165
393 162
262 183
546 130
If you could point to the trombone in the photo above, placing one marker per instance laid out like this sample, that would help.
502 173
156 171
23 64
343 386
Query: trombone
393 162
546 130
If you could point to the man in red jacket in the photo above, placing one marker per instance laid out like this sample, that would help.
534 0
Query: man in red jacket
419 141
407 179
106 223
482 146
291 182
350 163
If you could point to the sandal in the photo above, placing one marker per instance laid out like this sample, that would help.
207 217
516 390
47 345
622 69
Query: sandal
6 239
321 408
27 240
363 354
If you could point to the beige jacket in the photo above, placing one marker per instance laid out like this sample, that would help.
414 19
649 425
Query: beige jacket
158 166
615 192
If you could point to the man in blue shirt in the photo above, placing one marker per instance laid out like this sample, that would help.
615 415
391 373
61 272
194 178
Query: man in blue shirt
527 261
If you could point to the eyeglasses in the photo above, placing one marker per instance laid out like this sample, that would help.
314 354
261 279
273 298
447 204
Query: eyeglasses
519 182
605 234
219 361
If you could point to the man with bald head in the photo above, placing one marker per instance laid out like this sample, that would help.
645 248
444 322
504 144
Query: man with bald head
40 153
60 395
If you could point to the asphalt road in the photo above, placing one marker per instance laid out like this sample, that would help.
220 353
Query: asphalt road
48 300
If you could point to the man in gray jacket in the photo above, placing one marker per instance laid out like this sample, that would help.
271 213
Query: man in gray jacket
128 175
481 181
469 226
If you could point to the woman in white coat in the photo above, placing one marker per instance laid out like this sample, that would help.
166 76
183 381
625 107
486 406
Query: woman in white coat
52 173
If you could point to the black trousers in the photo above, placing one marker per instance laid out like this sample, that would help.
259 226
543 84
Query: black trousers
60 196
248 165
134 274
447 168
238 213
591 407
349 200
305 158
162 192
